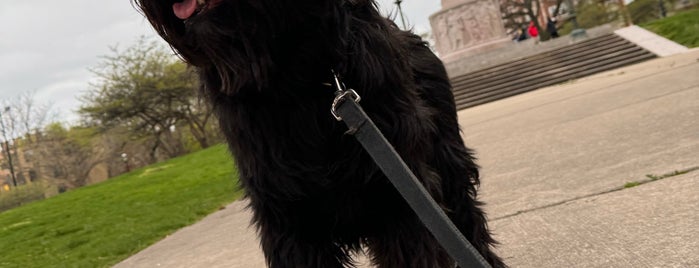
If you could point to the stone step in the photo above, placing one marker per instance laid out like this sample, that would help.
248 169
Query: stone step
543 66
545 69
568 76
547 66
527 61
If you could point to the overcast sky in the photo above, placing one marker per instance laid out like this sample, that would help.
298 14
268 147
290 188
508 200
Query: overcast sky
47 46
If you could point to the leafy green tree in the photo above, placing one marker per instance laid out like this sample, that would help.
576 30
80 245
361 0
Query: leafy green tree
152 94
592 13
643 11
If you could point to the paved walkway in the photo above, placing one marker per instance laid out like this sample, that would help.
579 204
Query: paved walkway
554 165
554 161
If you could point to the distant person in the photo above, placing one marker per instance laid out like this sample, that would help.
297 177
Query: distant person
523 34
551 28
533 31
520 35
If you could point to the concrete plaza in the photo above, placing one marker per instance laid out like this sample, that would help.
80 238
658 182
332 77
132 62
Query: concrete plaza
554 163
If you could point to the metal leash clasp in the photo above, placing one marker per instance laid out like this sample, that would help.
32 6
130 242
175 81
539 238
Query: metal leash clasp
340 95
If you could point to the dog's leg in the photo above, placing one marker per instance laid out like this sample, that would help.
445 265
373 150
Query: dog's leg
407 244
287 251
292 238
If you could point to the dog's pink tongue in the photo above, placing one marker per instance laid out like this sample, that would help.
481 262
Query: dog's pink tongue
185 9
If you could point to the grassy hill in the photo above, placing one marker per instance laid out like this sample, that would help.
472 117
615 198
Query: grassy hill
102 224
682 27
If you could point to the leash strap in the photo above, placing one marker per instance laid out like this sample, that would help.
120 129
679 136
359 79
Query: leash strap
392 165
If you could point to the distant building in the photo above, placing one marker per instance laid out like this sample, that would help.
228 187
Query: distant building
5 175
30 168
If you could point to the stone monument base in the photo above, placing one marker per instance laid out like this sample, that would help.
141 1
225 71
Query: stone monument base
465 28
510 51
476 50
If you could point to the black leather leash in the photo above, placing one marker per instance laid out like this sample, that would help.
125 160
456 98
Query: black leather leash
346 108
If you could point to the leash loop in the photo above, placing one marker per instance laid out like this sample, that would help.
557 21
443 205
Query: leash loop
340 95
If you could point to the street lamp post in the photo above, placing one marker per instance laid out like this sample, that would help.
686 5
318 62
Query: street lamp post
400 12
125 159
7 148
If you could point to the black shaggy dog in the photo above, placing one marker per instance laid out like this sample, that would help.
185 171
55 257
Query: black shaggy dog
316 195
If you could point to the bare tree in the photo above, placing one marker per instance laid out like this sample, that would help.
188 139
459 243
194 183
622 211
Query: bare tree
22 117
517 14
25 115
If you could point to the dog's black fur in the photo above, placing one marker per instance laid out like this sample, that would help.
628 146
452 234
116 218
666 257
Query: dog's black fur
316 196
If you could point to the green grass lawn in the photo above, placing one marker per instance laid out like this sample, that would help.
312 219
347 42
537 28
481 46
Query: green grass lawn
682 28
102 224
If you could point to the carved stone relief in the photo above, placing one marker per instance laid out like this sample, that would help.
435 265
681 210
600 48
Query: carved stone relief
466 24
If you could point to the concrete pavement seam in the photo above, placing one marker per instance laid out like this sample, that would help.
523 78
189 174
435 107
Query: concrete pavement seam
651 178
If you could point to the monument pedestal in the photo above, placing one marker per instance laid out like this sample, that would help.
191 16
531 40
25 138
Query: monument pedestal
465 28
